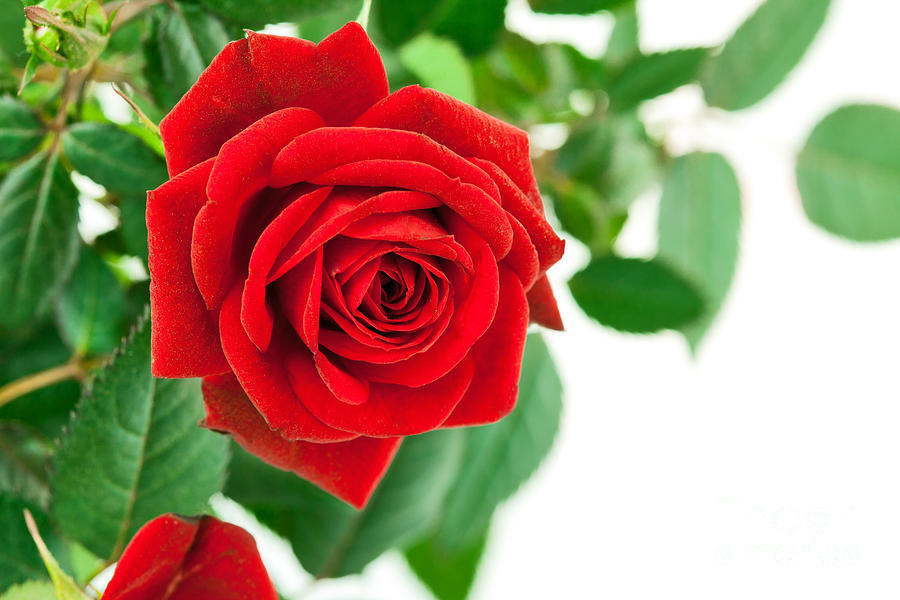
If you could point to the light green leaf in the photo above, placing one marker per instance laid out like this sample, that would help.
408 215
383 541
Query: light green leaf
699 225
439 64
501 457
652 75
635 295
115 159
623 41
330 538
30 590
762 52
20 129
19 558
38 236
448 574
133 451
12 21
849 173
63 584
91 309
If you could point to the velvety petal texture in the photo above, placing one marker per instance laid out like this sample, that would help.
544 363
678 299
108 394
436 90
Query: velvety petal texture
190 558
342 266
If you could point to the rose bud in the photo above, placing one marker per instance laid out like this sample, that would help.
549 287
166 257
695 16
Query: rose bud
344 267
183 558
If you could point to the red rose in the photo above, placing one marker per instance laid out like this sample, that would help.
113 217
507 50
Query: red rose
343 266
179 558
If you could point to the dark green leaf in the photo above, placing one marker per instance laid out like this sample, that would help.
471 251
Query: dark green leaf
19 557
849 173
474 24
183 41
91 309
699 225
402 20
255 14
439 64
38 236
575 7
115 159
132 214
332 539
24 458
132 452
652 75
635 295
449 575
30 590
761 53
502 456
12 21
20 130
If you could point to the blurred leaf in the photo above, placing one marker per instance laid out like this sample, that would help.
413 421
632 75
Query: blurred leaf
623 41
699 226
500 457
12 22
401 20
183 41
849 173
761 53
332 539
256 14
319 26
24 458
38 236
652 75
30 590
578 207
20 129
521 59
115 159
439 64
449 575
473 24
63 584
631 294
133 451
91 308
132 213
575 7
19 557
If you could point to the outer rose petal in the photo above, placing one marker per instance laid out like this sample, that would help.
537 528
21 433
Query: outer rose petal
542 305
185 336
498 360
459 126
349 470
339 79
178 558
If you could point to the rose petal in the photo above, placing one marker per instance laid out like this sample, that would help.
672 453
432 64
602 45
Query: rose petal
338 79
339 382
184 334
498 359
542 305
350 470
460 127
299 296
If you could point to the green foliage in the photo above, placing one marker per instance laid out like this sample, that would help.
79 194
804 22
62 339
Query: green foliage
24 458
132 452
474 24
30 590
448 574
848 173
500 457
91 309
699 226
652 75
439 64
112 157
761 53
38 236
639 296
12 20
623 41
401 20
575 7
19 557
258 13
20 129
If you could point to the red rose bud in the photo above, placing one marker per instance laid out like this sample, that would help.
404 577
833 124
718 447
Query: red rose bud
344 267
182 558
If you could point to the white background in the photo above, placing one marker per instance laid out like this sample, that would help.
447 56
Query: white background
765 468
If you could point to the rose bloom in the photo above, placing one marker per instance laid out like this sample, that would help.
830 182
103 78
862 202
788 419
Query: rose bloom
343 266
185 558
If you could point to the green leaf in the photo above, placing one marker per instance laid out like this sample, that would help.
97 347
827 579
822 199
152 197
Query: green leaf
91 309
635 295
63 584
439 64
475 25
401 20
255 14
849 173
20 129
652 75
24 458
183 41
133 451
762 52
575 7
38 234
19 558
12 21
699 225
623 41
501 457
115 159
319 26
448 574
132 215
330 538
30 590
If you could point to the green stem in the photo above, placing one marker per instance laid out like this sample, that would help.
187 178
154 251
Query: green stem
363 18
